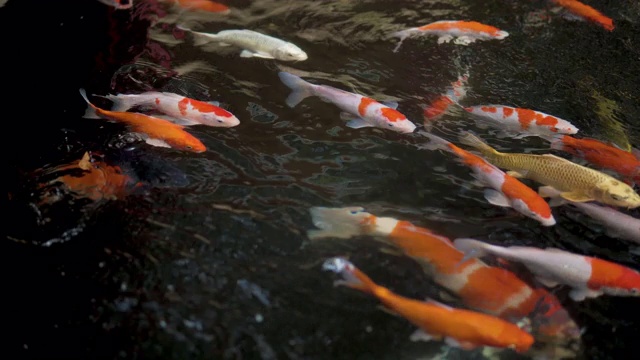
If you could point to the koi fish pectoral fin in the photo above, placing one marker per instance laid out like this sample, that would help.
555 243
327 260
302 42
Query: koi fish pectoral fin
358 123
463 40
466 345
579 294
576 196
156 142
546 282
421 335
445 39
496 198
517 174
248 54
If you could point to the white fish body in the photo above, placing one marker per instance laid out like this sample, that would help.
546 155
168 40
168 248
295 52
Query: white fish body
254 44
363 111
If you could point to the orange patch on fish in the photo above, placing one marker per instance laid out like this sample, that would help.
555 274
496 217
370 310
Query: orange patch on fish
525 117
437 107
466 26
489 109
392 114
206 108
506 112
364 104
605 273
514 189
157 101
182 106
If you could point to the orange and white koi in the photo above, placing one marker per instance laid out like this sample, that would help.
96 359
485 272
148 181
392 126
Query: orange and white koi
519 121
481 287
203 5
505 191
156 131
589 277
464 32
454 94
585 12
362 111
118 4
457 327
600 154
180 109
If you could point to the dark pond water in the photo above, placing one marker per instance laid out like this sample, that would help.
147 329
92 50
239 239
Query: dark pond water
208 257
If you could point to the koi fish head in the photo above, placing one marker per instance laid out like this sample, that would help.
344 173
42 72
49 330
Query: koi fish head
564 127
394 120
520 340
627 283
340 223
290 52
501 34
220 120
535 210
617 193
188 142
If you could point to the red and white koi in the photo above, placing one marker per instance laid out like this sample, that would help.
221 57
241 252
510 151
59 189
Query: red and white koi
457 327
361 110
481 287
589 277
454 94
523 122
505 191
583 11
600 154
464 32
180 109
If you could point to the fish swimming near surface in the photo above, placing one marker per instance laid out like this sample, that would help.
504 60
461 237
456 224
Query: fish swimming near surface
589 277
460 328
617 224
253 43
202 5
600 154
583 11
454 94
505 190
118 4
180 109
577 183
464 32
156 131
518 122
493 290
361 111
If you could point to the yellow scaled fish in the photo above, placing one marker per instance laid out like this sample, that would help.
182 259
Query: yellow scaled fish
576 182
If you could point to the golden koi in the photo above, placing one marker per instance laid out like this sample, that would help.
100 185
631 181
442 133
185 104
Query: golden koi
577 183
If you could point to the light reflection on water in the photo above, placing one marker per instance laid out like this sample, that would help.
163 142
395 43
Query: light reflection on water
206 253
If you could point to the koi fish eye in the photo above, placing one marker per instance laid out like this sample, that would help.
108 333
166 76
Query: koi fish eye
189 147
220 121
635 291
390 124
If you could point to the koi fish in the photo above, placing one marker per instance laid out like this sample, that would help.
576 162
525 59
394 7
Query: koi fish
92 178
576 182
458 327
600 154
586 12
156 131
360 110
464 32
481 287
181 110
618 224
505 190
589 277
454 94
254 44
203 5
118 4
523 122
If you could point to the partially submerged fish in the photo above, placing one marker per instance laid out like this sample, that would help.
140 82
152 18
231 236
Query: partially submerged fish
576 182
464 32
180 109
505 190
617 224
453 95
585 12
254 44
361 110
588 277
520 122
436 321
496 291
156 131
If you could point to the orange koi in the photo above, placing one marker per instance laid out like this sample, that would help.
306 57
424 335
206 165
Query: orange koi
496 291
461 328
464 32
506 190
600 154
158 132
584 11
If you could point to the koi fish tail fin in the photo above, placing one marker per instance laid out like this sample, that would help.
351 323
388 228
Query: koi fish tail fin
90 113
468 138
402 35
199 38
342 223
351 276
471 248
299 88
435 143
